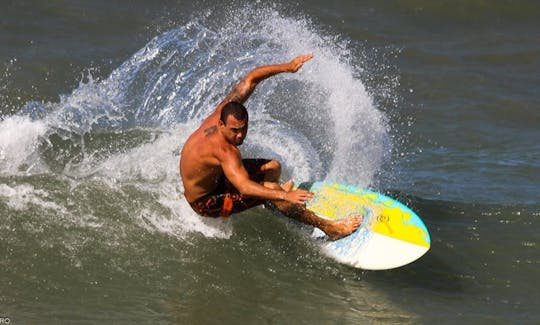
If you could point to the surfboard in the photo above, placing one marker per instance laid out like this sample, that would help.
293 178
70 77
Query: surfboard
391 235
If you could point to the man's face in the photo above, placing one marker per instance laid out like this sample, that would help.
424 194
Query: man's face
234 130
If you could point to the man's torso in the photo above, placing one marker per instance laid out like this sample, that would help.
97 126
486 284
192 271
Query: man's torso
200 167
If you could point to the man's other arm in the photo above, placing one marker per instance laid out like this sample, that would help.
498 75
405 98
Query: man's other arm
235 172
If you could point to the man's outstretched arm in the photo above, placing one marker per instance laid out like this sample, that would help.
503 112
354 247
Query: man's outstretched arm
246 86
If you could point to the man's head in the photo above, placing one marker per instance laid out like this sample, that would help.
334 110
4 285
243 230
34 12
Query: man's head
233 122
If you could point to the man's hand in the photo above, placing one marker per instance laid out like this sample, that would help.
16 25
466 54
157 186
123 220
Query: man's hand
298 196
298 61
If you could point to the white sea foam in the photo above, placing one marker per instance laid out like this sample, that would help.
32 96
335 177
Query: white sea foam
20 138
20 197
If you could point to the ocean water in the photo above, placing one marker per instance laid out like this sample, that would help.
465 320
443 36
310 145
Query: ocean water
432 102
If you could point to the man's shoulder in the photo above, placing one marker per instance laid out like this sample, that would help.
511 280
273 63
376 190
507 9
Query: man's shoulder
202 134
204 140
226 149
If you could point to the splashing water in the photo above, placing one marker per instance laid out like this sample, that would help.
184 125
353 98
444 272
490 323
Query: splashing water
125 133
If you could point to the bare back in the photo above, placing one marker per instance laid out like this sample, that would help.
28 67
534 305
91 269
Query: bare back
200 166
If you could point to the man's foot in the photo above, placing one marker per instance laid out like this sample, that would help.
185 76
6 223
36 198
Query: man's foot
342 227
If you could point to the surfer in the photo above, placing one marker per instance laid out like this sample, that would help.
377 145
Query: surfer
218 182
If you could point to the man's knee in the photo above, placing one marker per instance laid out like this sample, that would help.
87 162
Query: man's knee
272 170
273 165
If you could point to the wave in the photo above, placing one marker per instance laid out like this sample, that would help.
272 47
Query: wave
127 130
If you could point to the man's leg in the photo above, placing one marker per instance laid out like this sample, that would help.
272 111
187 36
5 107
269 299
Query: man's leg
333 228
272 174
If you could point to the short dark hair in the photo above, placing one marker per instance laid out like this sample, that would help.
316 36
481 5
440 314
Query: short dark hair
235 109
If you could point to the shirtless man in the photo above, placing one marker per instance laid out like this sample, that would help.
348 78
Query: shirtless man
218 182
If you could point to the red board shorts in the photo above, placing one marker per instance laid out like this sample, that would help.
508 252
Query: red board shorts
226 199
